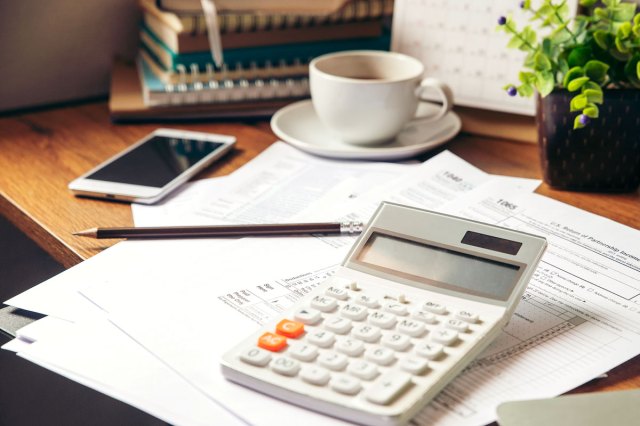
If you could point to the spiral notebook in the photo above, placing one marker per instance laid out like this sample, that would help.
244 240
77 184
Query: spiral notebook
126 103
218 91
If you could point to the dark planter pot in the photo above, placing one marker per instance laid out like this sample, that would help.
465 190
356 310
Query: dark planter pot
604 156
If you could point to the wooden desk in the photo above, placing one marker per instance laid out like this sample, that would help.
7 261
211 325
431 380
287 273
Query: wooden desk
41 152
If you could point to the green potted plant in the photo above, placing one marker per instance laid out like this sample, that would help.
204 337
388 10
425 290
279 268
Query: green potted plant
586 71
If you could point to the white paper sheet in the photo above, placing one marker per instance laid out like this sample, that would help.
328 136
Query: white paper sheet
98 355
176 271
579 317
251 297
178 208
283 181
564 332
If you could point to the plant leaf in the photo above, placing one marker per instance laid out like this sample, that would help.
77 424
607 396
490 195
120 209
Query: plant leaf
587 3
591 111
624 12
632 70
578 102
577 124
526 77
577 83
596 70
525 90
592 86
600 13
515 42
541 62
611 2
572 74
624 30
593 96
621 46
544 82
529 35
579 56
602 38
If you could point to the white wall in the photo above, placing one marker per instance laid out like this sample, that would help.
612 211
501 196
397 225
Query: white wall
59 50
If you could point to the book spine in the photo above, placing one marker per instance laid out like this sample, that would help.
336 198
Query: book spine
260 56
247 22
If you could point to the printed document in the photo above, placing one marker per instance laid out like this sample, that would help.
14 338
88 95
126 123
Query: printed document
579 318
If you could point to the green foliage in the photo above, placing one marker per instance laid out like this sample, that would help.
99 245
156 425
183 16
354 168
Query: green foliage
583 54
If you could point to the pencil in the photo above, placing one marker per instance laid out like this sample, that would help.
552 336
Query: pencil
224 230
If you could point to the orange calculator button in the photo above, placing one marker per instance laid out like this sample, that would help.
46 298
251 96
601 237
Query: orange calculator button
272 342
290 328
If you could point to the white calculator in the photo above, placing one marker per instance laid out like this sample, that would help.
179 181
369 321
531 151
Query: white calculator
417 298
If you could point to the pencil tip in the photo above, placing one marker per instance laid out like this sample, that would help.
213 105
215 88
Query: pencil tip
86 233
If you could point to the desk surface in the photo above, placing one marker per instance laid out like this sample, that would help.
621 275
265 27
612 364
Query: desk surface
42 151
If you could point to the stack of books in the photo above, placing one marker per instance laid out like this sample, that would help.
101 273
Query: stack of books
266 57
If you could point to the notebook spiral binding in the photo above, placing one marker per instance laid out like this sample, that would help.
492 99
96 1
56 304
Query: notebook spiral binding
222 87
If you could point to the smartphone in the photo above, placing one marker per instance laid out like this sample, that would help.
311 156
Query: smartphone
153 167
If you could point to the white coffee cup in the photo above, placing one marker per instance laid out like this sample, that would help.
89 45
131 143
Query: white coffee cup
367 97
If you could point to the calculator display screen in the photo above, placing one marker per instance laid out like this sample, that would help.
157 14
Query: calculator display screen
440 267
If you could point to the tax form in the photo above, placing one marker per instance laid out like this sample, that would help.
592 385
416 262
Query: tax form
146 269
579 317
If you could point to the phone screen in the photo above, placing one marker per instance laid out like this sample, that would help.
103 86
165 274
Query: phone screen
156 162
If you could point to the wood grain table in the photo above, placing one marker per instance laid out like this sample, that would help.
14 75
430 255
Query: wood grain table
40 152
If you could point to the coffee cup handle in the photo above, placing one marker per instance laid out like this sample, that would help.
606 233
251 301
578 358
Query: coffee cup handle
446 95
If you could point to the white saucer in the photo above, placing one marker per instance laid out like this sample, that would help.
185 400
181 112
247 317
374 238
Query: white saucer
298 125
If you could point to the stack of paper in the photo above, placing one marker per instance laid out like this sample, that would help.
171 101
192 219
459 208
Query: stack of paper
146 321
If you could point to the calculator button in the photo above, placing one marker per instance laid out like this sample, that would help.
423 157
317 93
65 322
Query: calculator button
350 347
424 316
429 350
324 303
345 384
341 282
321 338
337 325
290 328
388 387
303 351
337 292
467 316
333 361
436 308
285 366
354 312
414 365
256 356
315 375
368 333
307 316
396 341
444 336
368 301
272 342
456 324
363 369
382 319
411 327
395 308
380 355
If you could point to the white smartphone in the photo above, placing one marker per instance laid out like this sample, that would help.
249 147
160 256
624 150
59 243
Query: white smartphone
153 167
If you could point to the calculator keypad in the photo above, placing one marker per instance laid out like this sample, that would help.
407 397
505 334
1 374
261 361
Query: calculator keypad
357 343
